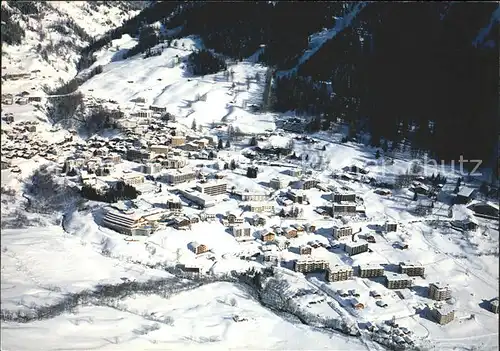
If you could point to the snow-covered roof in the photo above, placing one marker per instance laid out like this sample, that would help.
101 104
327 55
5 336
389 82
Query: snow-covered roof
462 213
465 191
396 276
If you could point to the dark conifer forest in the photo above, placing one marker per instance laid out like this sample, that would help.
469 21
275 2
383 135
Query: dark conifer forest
415 72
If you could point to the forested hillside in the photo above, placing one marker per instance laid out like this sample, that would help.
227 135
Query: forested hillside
422 73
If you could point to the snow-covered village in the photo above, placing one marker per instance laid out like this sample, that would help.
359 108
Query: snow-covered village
150 204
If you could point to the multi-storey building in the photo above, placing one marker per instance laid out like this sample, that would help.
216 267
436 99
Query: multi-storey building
443 314
278 183
174 162
341 231
242 232
158 108
259 207
438 291
198 198
159 149
343 197
305 250
397 281
179 176
178 140
212 188
371 270
338 273
138 155
344 208
356 247
297 196
247 196
133 178
151 168
390 227
307 265
411 269
294 172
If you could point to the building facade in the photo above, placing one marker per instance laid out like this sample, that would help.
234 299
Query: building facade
310 265
439 292
411 269
357 247
179 176
338 273
371 271
343 197
397 281
278 183
443 314
212 188
341 231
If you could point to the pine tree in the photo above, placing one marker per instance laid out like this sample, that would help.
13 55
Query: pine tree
193 125
228 144
377 154
220 144
232 165
415 196
253 141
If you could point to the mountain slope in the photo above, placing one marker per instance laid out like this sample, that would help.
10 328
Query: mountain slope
48 36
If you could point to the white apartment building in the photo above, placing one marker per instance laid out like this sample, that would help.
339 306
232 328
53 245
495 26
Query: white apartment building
439 291
133 178
259 207
198 198
307 265
174 162
151 168
242 232
339 272
212 188
179 176
341 231
248 196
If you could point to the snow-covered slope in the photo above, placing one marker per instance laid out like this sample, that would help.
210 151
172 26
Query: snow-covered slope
54 33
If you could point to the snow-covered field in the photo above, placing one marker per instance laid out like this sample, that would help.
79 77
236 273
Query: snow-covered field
43 265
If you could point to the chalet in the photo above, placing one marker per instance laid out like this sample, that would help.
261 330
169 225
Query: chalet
197 248
290 233
485 209
465 195
259 220
357 305
268 236
233 218
181 223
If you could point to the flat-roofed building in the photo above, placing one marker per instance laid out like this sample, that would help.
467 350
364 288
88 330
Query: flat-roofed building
341 231
212 188
203 200
259 207
252 196
305 250
443 314
138 155
179 176
439 291
159 149
390 226
297 196
412 269
174 162
356 247
339 272
348 208
133 178
306 265
242 232
278 183
343 197
371 270
397 280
